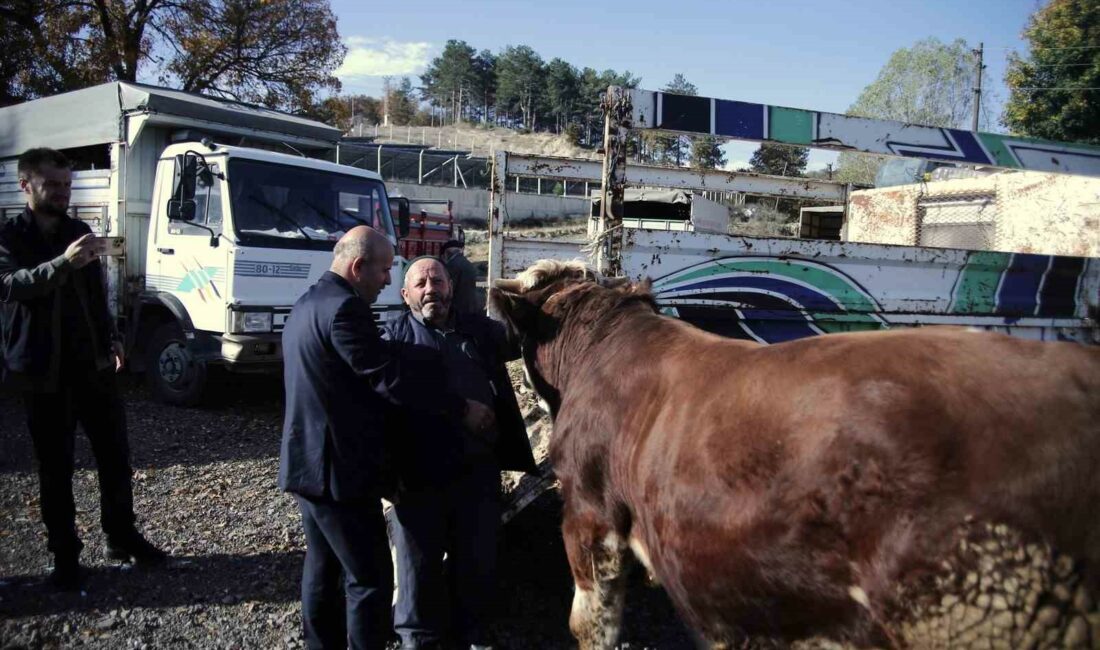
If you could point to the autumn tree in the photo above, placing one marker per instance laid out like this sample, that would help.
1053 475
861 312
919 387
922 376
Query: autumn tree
279 53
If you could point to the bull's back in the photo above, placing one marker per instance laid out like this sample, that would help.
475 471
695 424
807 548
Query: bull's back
771 475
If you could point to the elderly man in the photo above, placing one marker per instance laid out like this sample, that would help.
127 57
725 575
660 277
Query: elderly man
344 385
451 497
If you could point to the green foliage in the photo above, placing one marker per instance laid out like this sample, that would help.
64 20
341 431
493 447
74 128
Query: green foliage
1064 68
279 53
779 160
451 80
562 90
519 72
706 153
929 83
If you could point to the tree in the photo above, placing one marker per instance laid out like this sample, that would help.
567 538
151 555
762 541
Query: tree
279 53
929 83
779 160
593 87
562 91
520 82
485 81
1052 92
450 78
402 103
706 153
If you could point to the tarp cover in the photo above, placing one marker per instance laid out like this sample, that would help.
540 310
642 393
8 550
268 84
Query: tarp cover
94 116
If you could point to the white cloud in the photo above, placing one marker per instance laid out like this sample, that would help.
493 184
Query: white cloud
377 57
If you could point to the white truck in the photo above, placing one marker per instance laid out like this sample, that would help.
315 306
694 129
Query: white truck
226 210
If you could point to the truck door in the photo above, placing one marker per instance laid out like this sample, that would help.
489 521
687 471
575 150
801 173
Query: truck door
183 260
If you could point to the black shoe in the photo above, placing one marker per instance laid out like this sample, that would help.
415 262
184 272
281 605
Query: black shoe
137 548
66 573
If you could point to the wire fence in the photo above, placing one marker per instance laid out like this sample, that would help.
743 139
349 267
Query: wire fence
957 220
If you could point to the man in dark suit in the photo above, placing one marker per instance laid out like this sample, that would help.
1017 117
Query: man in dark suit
450 501
61 348
465 297
343 385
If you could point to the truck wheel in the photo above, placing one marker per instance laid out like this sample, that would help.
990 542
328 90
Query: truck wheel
175 376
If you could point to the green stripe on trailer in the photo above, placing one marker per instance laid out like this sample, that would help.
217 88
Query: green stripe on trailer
790 125
976 292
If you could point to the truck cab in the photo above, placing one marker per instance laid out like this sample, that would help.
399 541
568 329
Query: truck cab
235 236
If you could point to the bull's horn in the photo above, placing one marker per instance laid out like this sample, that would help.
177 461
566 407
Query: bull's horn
510 285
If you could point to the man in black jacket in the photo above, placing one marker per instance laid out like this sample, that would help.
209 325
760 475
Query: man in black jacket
61 348
464 294
450 501
344 386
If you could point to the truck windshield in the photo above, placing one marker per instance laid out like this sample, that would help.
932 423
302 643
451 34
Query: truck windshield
296 207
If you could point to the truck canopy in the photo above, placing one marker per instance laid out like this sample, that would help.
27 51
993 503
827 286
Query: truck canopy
94 115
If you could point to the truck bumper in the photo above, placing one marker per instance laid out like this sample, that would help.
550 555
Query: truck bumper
243 352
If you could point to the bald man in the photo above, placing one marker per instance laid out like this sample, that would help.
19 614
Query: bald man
451 497
344 387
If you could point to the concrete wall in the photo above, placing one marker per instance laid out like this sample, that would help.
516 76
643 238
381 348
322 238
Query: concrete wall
1051 214
474 203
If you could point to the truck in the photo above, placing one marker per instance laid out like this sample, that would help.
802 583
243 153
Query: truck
228 213
427 230
773 289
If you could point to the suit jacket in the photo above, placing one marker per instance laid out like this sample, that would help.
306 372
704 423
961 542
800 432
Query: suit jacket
343 383
463 274
426 434
32 270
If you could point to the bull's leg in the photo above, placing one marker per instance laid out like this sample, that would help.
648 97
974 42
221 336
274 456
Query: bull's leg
597 558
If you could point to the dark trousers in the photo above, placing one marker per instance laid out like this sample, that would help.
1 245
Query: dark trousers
347 578
461 518
91 398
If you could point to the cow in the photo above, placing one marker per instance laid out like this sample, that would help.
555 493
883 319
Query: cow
923 487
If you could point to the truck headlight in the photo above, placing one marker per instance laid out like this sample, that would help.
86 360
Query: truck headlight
245 322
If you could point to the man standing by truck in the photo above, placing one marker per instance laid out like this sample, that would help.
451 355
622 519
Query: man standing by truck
344 386
61 348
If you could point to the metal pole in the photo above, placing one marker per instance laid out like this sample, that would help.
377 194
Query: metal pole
978 88
496 217
538 185
618 117
420 169
456 171
378 164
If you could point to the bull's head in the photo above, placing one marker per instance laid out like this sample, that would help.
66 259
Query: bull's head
535 306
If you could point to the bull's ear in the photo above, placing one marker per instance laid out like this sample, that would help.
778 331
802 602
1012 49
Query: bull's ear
643 287
512 309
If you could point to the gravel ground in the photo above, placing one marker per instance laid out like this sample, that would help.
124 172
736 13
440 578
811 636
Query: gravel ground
204 489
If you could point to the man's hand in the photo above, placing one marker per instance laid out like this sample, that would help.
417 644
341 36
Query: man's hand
478 417
119 353
81 252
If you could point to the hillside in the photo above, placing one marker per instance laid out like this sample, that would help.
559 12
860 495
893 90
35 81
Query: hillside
482 141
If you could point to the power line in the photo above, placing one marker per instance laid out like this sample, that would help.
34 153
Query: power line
1077 47
1051 88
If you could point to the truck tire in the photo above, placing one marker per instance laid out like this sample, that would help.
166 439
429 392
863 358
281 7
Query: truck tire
174 375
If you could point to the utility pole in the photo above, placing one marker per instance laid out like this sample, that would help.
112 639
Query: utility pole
978 88
385 101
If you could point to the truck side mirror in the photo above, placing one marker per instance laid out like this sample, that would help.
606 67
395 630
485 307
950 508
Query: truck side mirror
402 215
181 206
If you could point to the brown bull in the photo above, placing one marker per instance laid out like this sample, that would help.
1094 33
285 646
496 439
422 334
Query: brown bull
933 487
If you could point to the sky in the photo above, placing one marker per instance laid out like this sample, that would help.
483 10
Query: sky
813 55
